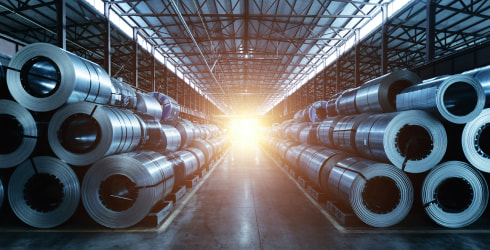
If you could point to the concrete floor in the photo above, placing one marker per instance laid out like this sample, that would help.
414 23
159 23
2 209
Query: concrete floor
247 202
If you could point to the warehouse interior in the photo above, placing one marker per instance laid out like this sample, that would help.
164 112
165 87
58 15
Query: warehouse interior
250 124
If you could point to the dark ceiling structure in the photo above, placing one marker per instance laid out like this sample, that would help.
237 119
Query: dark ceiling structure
248 56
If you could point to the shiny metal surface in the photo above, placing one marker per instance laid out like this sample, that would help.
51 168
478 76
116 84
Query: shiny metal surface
293 153
205 147
199 155
344 132
346 102
118 191
283 147
44 192
18 134
312 161
380 194
454 194
317 111
475 141
457 99
146 104
189 166
412 135
379 95
2 193
186 130
49 77
123 95
151 132
332 105
171 138
482 75
325 131
170 107
294 130
82 133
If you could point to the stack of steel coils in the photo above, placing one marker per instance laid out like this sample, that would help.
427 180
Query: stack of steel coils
394 124
60 113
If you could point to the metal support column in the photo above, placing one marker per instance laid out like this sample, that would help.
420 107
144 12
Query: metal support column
61 23
153 70
384 41
136 59
430 31
357 63
337 72
107 38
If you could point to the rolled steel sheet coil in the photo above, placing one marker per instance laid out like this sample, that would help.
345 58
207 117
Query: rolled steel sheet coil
379 95
190 163
301 116
457 99
205 147
295 130
218 144
346 102
44 192
327 168
170 107
325 131
285 127
82 133
46 77
197 131
4 62
380 194
482 75
123 95
332 106
312 161
186 130
171 138
151 132
199 155
18 133
283 147
306 156
293 154
214 130
411 140
2 195
317 111
118 191
475 141
304 135
276 130
146 104
454 194
344 132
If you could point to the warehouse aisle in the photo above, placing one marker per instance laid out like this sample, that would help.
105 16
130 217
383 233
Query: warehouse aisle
247 202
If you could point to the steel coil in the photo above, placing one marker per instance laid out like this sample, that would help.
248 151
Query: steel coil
283 147
457 99
18 133
301 116
332 106
190 164
2 195
82 133
123 95
151 132
475 141
379 95
482 75
186 130
170 108
43 192
411 140
313 159
293 154
344 132
46 77
380 194
118 191
205 147
454 194
325 131
294 130
346 102
317 111
304 135
199 156
171 138
146 104
327 168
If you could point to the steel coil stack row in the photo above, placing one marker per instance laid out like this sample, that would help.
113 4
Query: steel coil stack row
68 132
393 136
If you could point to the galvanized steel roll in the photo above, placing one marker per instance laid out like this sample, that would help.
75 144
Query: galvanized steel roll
199 155
312 160
118 191
283 147
482 75
379 95
304 135
171 138
317 111
294 130
82 133
332 106
325 131
123 95
205 147
190 164
411 140
380 194
18 133
454 194
44 192
346 102
186 130
300 116
146 104
344 132
293 153
46 77
475 141
2 195
151 132
457 99
170 107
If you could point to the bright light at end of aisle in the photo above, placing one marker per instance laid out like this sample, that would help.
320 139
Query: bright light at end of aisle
244 131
